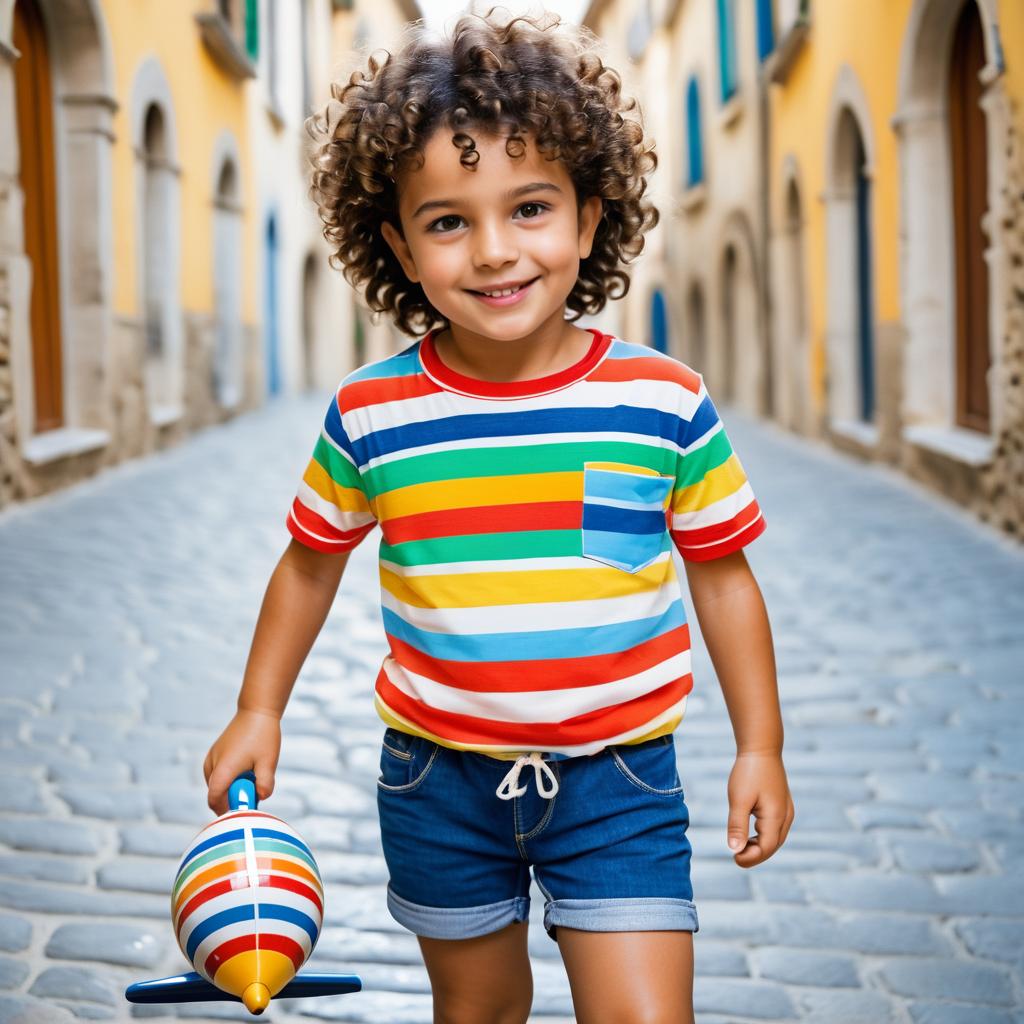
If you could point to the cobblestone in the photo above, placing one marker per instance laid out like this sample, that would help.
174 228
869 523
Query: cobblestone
128 945
15 933
896 897
945 979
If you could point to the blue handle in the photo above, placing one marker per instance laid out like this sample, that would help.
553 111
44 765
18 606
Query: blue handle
242 793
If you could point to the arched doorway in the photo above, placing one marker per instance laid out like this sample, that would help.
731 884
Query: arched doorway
727 386
794 311
659 322
227 365
34 95
851 307
696 329
952 115
158 240
271 304
862 271
969 155
310 297
740 377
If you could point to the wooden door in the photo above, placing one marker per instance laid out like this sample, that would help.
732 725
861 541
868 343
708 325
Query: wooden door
38 183
968 151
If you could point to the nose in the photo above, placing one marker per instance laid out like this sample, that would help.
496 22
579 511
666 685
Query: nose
494 244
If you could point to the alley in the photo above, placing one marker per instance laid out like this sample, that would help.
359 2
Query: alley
128 603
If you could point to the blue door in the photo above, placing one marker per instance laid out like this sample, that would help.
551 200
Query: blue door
270 304
865 306
659 322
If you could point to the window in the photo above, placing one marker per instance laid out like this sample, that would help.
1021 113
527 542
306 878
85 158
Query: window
765 29
694 148
727 48
252 29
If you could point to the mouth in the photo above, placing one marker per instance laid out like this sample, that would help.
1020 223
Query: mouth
511 299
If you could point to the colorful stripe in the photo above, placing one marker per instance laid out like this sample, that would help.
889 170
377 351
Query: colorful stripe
248 901
528 595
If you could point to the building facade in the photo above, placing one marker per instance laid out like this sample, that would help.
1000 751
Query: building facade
161 266
844 253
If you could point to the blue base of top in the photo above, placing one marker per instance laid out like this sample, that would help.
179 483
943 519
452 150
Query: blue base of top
193 988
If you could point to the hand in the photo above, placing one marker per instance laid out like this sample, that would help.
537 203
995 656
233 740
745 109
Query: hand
757 784
252 740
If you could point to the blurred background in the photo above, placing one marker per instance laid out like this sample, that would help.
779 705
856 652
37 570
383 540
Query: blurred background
841 246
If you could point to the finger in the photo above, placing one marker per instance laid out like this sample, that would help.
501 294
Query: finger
220 780
264 778
765 840
790 815
737 826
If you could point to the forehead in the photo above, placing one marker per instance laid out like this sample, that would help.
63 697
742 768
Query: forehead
442 176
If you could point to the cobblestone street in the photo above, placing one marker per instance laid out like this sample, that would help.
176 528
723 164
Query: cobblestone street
127 606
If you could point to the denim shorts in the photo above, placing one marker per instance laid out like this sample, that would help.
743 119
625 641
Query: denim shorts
608 850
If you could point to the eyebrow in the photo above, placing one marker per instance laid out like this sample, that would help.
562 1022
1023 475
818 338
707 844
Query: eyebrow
534 186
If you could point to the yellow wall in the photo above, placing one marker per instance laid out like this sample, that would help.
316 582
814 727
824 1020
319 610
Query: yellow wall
1011 30
206 101
867 36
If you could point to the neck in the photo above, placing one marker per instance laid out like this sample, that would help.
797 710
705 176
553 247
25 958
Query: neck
554 346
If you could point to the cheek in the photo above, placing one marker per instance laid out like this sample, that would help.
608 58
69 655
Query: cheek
441 266
559 248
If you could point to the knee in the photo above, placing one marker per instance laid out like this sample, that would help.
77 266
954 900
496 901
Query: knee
652 1014
464 1014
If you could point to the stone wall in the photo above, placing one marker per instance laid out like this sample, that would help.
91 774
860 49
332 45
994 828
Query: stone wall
995 491
999 498
8 428
133 433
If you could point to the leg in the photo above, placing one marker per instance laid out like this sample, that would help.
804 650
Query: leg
629 977
485 980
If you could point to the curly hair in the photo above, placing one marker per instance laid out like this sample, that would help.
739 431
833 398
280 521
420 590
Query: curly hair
507 79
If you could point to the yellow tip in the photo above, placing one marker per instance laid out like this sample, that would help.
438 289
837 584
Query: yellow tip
256 997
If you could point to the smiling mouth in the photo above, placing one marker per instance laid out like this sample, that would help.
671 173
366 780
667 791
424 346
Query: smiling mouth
501 293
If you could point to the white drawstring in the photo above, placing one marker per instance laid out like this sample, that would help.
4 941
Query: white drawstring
510 784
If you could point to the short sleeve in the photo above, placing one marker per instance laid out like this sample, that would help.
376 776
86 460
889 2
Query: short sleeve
331 512
713 510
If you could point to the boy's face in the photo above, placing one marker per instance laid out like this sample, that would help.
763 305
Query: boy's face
476 234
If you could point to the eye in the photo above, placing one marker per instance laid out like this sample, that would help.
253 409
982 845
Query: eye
531 210
434 229
444 224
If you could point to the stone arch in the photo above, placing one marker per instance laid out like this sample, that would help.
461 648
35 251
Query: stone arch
83 107
696 336
792 337
227 270
158 239
850 316
311 309
929 253
741 369
272 247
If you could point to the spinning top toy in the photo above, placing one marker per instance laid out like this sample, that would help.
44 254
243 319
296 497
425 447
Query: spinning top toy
247 908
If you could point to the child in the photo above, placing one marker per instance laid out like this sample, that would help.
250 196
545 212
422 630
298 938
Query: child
529 479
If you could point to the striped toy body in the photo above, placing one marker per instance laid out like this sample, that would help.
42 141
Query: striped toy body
247 903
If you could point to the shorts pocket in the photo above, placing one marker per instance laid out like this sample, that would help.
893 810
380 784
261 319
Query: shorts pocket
405 760
650 766
624 521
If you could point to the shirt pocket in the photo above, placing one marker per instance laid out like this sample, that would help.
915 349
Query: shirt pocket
624 521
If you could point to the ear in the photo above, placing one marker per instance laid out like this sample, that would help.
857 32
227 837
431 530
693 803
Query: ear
400 247
590 216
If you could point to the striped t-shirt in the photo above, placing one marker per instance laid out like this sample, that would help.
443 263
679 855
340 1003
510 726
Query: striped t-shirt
528 592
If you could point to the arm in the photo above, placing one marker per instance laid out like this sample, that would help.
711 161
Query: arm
295 606
734 623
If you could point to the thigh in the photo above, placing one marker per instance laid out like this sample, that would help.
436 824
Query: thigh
629 977
484 980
